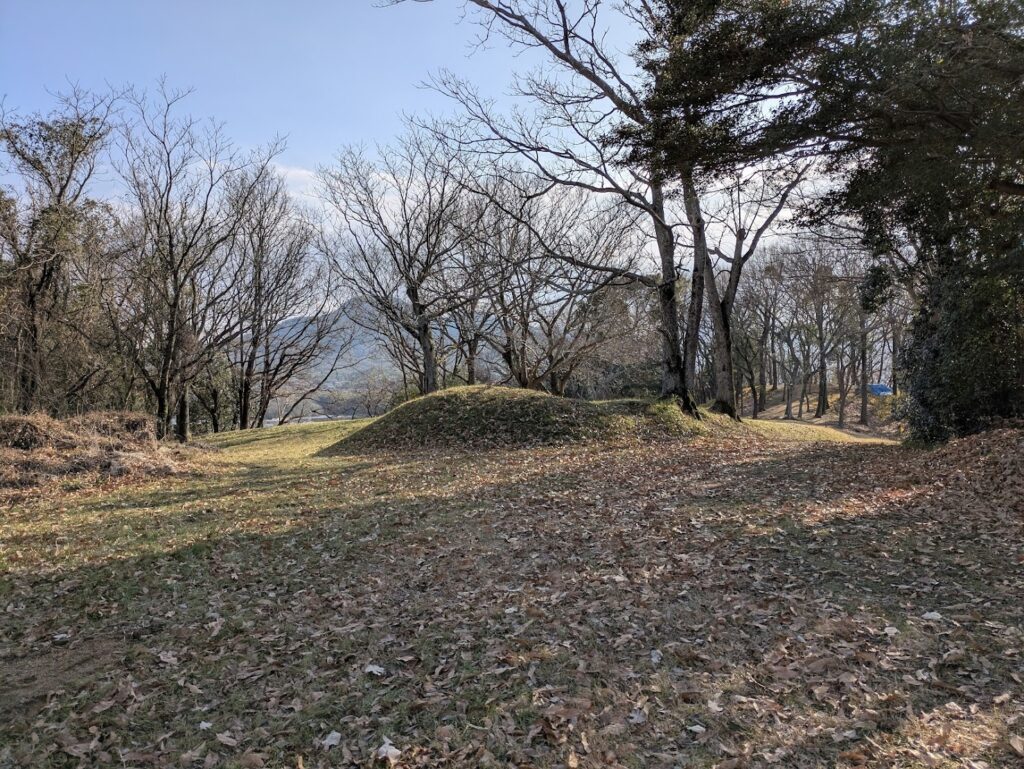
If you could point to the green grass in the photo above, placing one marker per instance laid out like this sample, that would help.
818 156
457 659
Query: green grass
506 418
485 416
501 417
798 432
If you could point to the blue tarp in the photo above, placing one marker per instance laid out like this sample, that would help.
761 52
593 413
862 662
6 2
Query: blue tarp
879 389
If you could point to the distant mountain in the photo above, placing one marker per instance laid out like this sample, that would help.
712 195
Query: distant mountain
364 354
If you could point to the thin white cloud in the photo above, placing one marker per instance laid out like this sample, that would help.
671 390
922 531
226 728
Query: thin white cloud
301 182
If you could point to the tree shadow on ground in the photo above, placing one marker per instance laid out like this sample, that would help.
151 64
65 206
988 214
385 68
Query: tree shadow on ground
823 606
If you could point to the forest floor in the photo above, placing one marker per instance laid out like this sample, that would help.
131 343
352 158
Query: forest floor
880 421
783 598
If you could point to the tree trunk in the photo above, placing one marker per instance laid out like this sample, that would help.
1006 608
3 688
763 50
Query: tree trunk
841 375
762 374
725 382
787 394
29 365
823 405
182 427
674 382
245 401
864 372
215 413
163 412
426 340
775 360
471 346
897 342
694 311
558 383
725 378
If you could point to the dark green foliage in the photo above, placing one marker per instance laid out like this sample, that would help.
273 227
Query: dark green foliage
916 109
876 288
719 69
964 362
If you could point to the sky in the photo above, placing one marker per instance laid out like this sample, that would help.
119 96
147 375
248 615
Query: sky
323 73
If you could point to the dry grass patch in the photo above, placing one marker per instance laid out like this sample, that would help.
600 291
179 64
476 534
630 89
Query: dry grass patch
39 454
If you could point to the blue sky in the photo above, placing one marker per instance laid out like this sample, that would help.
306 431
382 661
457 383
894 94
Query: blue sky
324 73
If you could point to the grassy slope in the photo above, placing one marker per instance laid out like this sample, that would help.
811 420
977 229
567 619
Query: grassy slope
485 416
707 600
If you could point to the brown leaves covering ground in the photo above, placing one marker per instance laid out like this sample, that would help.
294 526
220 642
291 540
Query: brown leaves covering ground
724 602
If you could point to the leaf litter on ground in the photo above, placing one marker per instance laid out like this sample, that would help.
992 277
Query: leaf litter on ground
727 601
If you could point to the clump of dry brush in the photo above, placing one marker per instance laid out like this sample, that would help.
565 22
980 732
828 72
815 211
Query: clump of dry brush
37 451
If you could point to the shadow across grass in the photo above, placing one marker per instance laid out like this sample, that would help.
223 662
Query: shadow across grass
672 603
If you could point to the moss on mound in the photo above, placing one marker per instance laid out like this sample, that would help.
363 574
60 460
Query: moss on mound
503 417
486 416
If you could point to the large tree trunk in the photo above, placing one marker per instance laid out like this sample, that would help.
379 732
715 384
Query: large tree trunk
426 341
787 394
864 372
695 309
823 405
163 414
674 383
182 426
725 378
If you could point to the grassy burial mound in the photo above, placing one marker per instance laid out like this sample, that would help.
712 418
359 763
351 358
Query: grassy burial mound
504 417
38 451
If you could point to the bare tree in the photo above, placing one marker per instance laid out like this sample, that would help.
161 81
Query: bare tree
189 190
749 206
547 262
284 295
401 221
579 106
376 390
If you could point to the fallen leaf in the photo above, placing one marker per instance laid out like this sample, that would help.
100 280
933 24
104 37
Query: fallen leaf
1017 743
332 739
388 752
